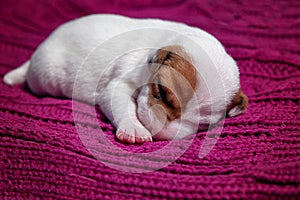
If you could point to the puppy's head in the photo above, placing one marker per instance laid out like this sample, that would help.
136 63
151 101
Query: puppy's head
173 82
170 88
168 104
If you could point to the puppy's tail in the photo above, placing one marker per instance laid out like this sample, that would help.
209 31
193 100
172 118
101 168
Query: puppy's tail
17 75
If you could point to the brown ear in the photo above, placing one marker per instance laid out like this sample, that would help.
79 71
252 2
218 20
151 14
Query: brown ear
238 105
175 57
167 52
162 55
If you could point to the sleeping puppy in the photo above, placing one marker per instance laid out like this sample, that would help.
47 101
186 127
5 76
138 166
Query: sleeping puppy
152 78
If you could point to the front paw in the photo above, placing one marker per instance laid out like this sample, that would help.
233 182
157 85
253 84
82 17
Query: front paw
133 134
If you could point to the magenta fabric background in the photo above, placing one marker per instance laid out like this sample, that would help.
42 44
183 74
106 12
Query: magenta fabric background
256 156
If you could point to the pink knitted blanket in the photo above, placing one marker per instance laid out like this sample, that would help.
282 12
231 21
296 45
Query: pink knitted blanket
44 155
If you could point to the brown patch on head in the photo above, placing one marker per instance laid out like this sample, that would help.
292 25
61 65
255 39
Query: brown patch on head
238 104
173 83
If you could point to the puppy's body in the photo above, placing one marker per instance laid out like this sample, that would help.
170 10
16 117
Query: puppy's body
109 57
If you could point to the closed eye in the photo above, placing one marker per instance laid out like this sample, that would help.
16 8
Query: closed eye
160 93
157 92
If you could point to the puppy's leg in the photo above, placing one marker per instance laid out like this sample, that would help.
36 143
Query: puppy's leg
119 106
129 127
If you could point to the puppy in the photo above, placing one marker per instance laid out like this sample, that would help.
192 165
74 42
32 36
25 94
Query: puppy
152 78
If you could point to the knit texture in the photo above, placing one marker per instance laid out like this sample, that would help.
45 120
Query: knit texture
257 155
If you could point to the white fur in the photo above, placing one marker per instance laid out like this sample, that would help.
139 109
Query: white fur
112 53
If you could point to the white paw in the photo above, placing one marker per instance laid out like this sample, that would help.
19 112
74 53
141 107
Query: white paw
133 134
